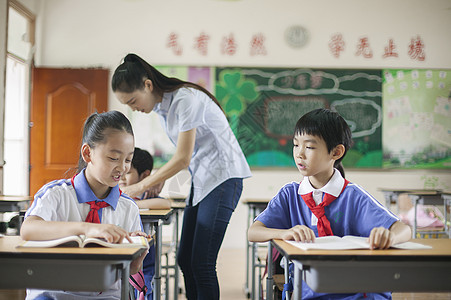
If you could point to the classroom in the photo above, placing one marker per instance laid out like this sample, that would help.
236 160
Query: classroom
280 47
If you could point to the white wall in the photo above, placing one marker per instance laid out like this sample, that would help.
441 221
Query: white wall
99 33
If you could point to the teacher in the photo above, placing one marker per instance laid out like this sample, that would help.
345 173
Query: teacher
196 124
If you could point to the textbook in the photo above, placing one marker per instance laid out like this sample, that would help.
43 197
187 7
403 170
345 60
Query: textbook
83 242
349 242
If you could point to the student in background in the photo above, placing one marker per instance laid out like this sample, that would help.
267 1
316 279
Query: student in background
90 203
324 203
142 165
205 143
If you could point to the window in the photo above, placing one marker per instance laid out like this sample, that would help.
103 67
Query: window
20 41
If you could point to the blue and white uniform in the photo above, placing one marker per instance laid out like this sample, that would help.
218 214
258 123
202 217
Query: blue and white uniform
59 200
354 212
217 156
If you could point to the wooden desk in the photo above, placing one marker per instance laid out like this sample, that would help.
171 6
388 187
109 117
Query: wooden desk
424 197
255 206
353 271
74 269
14 203
154 218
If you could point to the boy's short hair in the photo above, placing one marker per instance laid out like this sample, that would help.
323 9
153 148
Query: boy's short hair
142 160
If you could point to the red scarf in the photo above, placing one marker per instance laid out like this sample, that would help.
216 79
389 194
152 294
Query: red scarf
323 225
93 215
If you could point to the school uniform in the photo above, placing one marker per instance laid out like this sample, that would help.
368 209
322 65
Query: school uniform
63 200
217 169
353 212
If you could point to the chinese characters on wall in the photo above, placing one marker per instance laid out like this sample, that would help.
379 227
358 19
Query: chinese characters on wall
228 46
364 48
337 45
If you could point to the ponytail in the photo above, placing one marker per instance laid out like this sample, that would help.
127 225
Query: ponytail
131 74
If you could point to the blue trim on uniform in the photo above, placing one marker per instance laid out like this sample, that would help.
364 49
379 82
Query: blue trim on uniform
44 189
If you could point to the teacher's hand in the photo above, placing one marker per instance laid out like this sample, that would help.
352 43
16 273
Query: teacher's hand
154 191
133 190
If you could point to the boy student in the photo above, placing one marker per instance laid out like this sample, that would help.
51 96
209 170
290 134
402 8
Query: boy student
302 211
141 167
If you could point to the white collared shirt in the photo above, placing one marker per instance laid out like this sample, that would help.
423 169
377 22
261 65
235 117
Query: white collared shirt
333 187
217 156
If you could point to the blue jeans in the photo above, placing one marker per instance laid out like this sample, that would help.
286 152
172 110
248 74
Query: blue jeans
204 227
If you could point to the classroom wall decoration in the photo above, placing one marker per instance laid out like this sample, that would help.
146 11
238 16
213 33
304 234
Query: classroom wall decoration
398 118
417 119
263 105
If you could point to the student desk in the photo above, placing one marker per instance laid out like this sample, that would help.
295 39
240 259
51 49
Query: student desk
352 271
155 218
75 269
13 203
255 206
424 197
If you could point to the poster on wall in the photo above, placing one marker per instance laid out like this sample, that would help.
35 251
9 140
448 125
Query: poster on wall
264 104
417 119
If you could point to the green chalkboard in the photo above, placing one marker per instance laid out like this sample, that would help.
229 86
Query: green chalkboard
263 105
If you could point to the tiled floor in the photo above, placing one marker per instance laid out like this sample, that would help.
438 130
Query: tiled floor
231 274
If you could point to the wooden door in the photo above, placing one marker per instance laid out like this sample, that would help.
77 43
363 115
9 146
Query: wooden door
61 100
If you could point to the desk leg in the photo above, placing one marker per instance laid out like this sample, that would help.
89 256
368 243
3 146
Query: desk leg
445 212
253 251
286 272
176 266
414 233
269 279
246 285
125 283
157 276
297 282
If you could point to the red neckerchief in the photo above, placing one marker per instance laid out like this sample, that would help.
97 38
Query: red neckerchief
323 225
93 215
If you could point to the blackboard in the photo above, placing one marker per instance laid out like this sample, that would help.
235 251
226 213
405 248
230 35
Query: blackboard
263 105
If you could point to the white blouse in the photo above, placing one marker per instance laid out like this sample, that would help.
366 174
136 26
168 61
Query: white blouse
217 156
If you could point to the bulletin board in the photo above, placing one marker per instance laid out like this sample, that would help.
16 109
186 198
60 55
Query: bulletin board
264 104
417 119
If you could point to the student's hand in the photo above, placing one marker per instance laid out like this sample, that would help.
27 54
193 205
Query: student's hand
380 238
111 233
299 233
154 191
139 233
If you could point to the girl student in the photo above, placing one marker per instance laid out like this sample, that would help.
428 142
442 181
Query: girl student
90 203
321 140
196 124
141 167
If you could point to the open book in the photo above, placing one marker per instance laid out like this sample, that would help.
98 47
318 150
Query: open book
82 241
349 242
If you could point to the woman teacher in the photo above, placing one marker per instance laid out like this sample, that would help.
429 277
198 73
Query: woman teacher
196 124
